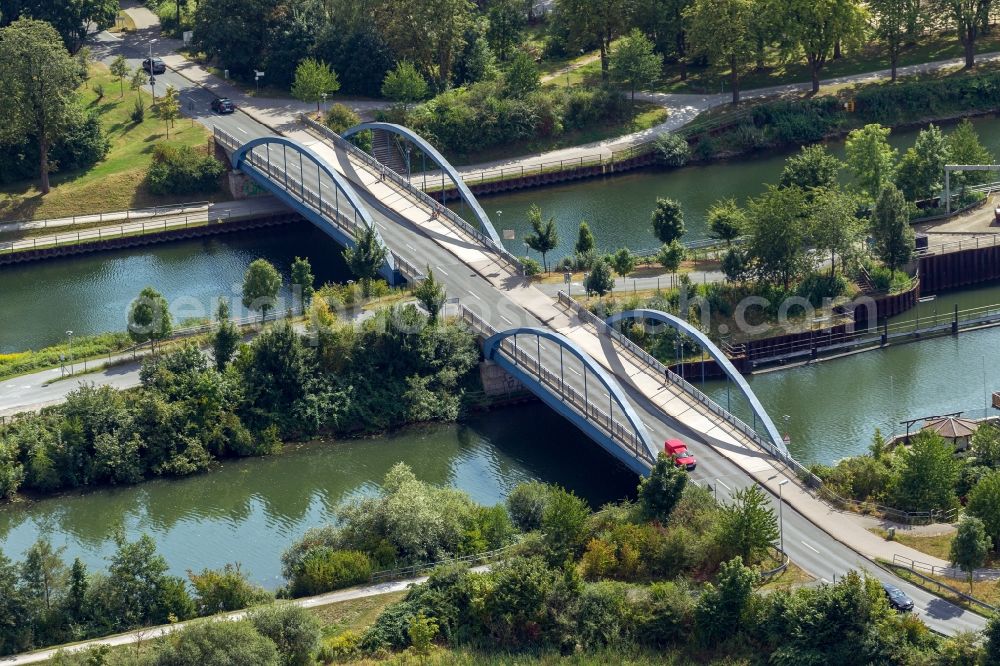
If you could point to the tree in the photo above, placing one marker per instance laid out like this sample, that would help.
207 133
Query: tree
138 585
526 505
748 526
777 233
921 171
817 27
970 546
295 630
421 632
76 593
506 22
671 255
590 21
890 228
722 607
302 278
660 492
668 220
120 69
522 76
970 17
726 220
734 265
44 575
623 261
810 168
226 338
15 633
986 445
365 259
234 32
314 79
261 284
835 224
431 295
927 475
870 157
543 237
984 503
404 84
217 642
584 239
429 34
992 632
633 62
72 19
149 318
599 280
894 23
37 82
564 523
671 149
169 107
964 147
137 81
724 30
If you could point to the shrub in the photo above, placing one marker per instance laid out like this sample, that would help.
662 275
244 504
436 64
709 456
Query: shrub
526 505
340 118
182 170
217 643
294 630
604 617
341 647
672 150
564 523
666 615
323 569
817 287
82 145
226 589
99 90
531 266
138 113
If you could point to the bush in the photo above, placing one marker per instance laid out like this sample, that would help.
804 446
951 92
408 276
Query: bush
182 170
294 630
340 118
138 113
217 643
818 286
531 267
526 505
323 569
226 589
83 144
604 618
672 150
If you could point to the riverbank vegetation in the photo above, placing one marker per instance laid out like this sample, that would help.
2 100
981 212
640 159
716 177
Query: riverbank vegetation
673 576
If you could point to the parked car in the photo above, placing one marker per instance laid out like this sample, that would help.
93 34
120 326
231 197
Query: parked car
897 598
154 66
223 105
678 450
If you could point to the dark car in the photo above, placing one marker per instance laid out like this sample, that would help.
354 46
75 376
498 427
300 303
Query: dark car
223 105
154 66
897 598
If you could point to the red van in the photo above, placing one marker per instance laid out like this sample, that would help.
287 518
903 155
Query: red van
678 450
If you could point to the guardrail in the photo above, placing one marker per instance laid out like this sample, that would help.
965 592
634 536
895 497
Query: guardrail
988 240
446 213
899 562
618 431
348 224
113 216
416 569
810 480
103 233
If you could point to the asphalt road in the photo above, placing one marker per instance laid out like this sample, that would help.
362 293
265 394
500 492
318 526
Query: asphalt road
811 548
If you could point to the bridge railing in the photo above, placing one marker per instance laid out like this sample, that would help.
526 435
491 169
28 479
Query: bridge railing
328 208
621 433
414 191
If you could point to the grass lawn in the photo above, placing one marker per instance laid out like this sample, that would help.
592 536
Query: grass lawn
355 614
645 116
117 182
938 545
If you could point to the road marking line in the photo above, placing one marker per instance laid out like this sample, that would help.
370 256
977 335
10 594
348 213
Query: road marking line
242 130
810 547
824 580
411 247
474 296
442 271
576 371
507 320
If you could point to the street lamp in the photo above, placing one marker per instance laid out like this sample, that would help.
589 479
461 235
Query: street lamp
69 334
781 516
324 99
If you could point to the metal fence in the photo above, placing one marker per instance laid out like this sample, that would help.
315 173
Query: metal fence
982 241
446 214
113 216
416 569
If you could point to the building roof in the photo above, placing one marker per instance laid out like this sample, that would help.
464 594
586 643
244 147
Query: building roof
952 427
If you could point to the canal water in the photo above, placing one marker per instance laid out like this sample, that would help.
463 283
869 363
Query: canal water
91 293
618 208
252 510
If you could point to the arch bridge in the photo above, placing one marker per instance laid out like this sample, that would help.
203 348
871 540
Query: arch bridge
573 384
685 327
311 187
390 153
